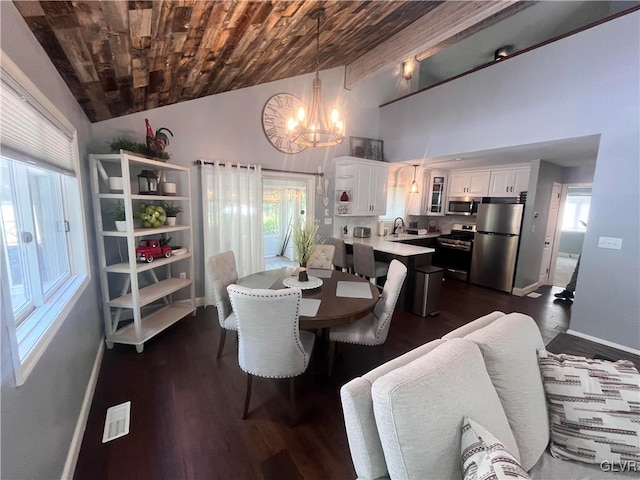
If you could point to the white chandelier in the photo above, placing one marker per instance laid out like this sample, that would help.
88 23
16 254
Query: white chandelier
311 130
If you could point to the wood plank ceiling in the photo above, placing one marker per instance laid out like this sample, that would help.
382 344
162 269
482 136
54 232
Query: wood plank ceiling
120 57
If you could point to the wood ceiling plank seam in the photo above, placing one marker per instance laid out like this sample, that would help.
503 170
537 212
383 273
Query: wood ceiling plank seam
241 26
76 50
200 58
139 99
98 100
116 16
425 31
57 8
29 8
90 18
243 49
181 19
140 22
120 48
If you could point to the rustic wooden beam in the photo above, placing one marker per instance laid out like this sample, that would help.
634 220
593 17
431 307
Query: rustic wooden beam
446 20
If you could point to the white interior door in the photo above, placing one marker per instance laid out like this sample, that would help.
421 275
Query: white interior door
552 221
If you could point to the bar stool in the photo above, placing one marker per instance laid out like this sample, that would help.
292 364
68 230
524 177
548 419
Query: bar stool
365 264
341 259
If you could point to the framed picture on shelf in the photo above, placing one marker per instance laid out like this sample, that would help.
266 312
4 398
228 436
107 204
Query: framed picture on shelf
374 149
358 146
370 148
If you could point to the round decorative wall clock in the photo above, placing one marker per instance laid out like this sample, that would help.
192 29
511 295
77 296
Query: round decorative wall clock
275 113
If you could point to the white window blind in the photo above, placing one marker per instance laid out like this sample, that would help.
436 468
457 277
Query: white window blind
28 131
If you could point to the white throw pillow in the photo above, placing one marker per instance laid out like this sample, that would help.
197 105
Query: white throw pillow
485 457
594 408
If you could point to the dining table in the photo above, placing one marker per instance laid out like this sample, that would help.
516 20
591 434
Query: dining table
341 297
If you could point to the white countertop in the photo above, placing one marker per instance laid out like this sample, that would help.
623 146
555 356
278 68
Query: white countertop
390 244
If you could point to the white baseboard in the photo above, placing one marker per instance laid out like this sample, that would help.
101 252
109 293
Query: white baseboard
521 292
568 255
604 342
200 301
81 424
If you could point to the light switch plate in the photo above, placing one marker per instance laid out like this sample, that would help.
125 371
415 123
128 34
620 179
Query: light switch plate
328 221
610 242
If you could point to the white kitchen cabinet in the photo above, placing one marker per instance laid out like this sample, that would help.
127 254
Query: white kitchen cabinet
367 182
469 184
140 300
508 183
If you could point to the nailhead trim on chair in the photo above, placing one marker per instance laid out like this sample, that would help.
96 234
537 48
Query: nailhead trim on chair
287 293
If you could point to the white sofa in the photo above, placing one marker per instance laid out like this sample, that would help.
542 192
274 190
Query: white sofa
404 418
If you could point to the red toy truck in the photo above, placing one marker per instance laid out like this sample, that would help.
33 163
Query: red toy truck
149 249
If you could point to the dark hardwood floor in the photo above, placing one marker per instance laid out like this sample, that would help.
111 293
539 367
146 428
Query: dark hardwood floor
186 406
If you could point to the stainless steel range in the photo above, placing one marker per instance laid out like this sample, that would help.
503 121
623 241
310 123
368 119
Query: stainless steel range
454 250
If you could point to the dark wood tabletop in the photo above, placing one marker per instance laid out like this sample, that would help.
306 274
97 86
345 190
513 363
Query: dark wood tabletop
333 310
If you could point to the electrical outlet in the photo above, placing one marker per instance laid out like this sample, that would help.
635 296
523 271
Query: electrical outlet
183 275
610 242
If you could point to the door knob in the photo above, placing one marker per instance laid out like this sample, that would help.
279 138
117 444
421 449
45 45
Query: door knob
26 237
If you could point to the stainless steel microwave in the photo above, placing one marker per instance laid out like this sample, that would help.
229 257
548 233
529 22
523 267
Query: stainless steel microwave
462 206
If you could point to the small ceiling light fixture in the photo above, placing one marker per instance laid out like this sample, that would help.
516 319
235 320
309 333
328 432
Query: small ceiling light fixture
407 69
502 52
414 185
310 129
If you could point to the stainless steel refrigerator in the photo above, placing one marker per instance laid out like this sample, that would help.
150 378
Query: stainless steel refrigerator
495 245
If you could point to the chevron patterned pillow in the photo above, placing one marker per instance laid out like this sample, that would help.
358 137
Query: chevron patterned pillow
485 457
594 408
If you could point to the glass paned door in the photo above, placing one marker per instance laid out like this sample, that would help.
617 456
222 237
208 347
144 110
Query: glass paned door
284 200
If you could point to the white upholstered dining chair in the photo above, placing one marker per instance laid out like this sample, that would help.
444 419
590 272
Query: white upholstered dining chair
222 272
271 344
374 328
321 257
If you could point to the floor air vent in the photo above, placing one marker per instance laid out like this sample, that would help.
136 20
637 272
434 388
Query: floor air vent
116 424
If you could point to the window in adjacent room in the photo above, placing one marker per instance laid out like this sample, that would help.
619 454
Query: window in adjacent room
42 229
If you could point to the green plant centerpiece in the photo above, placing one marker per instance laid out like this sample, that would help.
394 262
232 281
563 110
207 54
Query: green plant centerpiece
304 237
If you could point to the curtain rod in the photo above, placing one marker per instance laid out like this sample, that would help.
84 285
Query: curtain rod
202 162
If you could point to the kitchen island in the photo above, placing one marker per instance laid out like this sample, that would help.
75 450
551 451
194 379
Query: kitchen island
391 247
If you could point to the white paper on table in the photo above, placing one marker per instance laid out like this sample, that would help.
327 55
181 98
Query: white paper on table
353 290
309 307
320 272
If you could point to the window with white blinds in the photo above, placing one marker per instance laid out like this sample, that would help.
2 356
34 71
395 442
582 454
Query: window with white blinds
31 133
44 264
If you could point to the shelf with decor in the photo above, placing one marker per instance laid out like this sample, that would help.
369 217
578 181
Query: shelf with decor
145 286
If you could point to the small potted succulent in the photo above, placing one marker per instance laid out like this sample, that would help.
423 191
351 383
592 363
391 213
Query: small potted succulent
171 210
117 212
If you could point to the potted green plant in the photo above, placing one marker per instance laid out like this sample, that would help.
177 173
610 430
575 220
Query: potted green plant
304 237
117 212
171 210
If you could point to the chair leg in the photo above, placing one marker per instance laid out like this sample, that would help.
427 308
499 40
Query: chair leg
332 355
247 397
223 336
292 400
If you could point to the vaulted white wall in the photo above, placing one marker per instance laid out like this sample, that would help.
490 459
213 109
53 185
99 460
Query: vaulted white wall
228 127
585 84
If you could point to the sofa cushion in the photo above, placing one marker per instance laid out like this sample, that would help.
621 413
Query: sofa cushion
419 409
357 407
483 456
509 346
550 468
478 323
594 408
